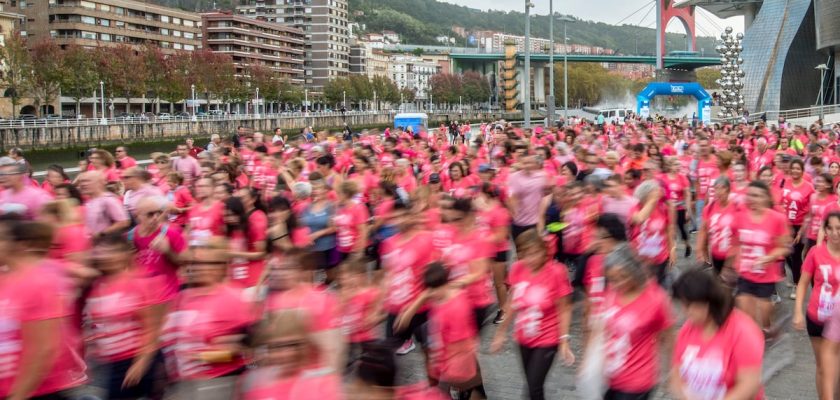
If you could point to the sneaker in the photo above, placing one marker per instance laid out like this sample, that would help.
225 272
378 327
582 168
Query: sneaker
687 251
789 284
793 295
500 317
406 348
775 299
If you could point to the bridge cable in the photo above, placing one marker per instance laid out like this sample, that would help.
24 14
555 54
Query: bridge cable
635 12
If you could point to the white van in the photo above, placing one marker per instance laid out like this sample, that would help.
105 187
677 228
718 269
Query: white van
615 115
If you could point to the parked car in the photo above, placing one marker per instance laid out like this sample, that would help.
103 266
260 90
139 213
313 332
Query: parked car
216 113
164 116
27 117
201 114
53 117
182 114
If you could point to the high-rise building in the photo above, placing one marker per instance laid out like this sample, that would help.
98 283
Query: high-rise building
325 25
249 42
95 23
358 54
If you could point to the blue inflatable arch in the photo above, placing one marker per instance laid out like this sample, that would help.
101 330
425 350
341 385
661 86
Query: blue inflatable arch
653 89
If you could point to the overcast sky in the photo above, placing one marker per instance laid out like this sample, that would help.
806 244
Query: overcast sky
707 24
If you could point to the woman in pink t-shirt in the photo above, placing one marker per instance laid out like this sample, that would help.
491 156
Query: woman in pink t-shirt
540 305
71 239
360 305
714 238
823 199
246 231
286 369
636 315
796 199
41 348
494 217
351 222
719 350
821 269
202 334
123 330
761 240
652 232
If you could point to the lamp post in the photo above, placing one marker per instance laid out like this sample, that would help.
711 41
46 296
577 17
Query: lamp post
103 120
565 19
549 108
344 102
257 103
527 90
822 68
375 105
192 89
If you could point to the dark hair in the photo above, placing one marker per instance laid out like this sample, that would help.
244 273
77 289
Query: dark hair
763 186
764 168
235 206
73 191
833 214
327 160
798 161
36 236
698 286
460 169
280 203
490 190
436 275
60 170
613 225
462 204
571 166
114 239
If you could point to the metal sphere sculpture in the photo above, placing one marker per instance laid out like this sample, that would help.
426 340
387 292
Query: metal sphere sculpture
731 75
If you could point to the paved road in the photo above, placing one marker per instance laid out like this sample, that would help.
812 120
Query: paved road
788 367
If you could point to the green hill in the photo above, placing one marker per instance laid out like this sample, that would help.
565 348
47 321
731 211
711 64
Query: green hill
420 21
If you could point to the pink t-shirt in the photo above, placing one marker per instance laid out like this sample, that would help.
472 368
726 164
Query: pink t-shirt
200 316
114 308
494 220
705 175
825 272
709 368
453 340
593 278
320 306
650 238
676 189
103 211
314 384
132 197
719 221
756 239
459 252
796 200
157 266
246 273
631 332
69 239
28 201
573 234
355 312
527 189
534 297
404 262
818 212
347 221
205 222
29 295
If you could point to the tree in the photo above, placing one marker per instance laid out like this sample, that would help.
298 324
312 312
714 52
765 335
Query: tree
445 88
474 87
290 93
362 90
157 67
264 79
335 90
47 72
83 80
386 90
118 70
418 51
408 94
176 84
215 73
707 77
18 69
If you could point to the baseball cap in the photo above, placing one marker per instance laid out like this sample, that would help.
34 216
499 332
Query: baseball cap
485 168
786 157
434 178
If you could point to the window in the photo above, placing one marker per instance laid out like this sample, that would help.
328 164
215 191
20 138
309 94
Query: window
105 7
164 45
88 20
176 33
189 35
119 23
164 18
88 35
189 23
164 31
22 3
105 22
176 21
87 4
105 37
119 10
177 46
189 47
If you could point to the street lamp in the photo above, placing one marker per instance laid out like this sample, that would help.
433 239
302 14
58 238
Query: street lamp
257 103
822 68
527 108
344 102
192 88
375 105
102 121
549 108
565 19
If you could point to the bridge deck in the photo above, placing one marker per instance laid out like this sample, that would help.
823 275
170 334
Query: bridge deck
670 62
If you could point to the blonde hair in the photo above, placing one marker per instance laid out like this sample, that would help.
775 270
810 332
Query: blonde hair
281 323
63 210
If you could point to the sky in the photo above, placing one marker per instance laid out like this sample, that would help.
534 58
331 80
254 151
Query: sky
707 24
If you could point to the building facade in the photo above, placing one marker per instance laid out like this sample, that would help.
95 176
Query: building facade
358 54
95 23
249 42
413 73
828 41
325 25
377 63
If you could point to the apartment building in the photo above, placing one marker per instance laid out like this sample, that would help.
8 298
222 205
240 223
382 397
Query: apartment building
413 73
249 41
94 23
377 63
325 25
358 54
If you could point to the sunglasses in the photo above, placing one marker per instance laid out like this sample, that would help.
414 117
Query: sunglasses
119 151
161 162
152 214
285 345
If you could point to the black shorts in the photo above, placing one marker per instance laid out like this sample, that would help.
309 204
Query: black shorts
718 265
516 230
326 259
501 256
760 290
619 395
814 328
416 328
480 316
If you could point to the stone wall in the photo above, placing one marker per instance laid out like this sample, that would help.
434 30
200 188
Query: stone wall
63 137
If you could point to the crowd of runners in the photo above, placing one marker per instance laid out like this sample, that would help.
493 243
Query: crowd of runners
266 267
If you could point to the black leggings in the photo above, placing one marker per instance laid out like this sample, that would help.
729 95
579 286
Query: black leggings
537 362
681 221
794 260
619 395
